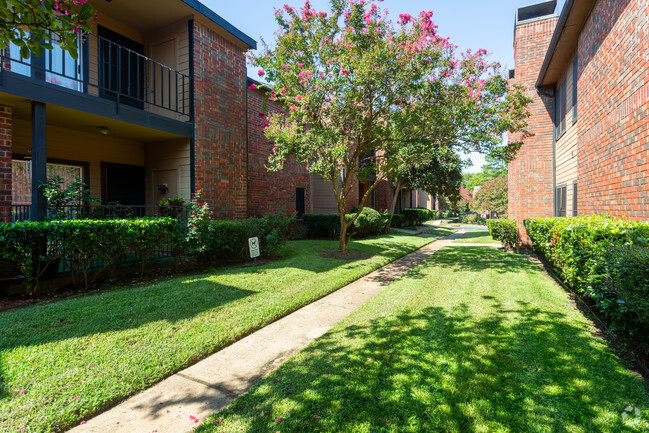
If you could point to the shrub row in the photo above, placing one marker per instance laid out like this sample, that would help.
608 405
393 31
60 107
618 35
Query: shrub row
503 230
91 248
36 248
604 258
368 223
416 216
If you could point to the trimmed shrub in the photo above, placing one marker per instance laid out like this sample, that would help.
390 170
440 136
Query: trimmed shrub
82 245
369 222
398 220
417 216
472 218
504 231
582 251
321 225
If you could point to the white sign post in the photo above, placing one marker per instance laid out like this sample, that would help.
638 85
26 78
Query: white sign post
253 243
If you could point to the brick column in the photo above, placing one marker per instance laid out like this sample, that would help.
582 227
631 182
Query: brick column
5 163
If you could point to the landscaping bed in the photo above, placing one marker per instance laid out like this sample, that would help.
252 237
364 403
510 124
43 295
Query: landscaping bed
474 339
63 361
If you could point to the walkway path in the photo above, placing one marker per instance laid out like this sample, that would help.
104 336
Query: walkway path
179 403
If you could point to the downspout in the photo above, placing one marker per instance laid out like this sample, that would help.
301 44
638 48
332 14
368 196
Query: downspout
192 142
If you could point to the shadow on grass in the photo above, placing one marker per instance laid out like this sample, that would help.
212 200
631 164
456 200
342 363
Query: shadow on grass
172 301
520 369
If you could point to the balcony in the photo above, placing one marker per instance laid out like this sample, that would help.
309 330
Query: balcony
111 67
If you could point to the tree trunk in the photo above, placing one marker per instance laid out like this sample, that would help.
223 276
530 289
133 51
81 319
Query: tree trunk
344 239
394 203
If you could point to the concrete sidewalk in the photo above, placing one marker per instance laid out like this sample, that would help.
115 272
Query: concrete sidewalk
179 403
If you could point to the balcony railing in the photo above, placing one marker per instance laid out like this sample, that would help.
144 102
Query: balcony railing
108 70
110 211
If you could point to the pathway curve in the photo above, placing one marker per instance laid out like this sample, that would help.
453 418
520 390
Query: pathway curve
179 403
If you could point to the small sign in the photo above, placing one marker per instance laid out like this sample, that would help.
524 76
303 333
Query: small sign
253 243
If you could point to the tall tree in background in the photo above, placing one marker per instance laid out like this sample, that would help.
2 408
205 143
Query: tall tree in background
491 197
365 95
32 25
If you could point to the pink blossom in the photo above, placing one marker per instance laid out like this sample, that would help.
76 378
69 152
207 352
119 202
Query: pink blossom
404 19
21 391
253 86
261 73
298 98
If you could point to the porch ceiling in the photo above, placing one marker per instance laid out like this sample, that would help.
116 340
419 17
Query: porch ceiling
86 122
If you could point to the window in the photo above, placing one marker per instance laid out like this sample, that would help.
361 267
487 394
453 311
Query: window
18 64
21 186
574 199
121 68
575 78
62 69
560 109
560 201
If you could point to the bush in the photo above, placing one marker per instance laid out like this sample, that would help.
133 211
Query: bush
369 222
398 220
627 281
582 251
321 225
416 216
472 218
82 245
503 230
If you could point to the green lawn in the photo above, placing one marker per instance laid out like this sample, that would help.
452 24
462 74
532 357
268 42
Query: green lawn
473 340
478 237
63 361
441 231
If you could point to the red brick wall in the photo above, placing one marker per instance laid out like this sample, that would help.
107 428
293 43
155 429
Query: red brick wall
220 115
270 190
531 174
5 163
613 103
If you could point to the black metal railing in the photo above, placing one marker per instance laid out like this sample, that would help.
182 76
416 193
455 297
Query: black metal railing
121 74
108 211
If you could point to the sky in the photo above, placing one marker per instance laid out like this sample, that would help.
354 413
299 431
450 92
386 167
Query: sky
474 24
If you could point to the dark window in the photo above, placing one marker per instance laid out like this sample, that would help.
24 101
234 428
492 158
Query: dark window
560 204
574 199
121 68
561 109
300 201
575 66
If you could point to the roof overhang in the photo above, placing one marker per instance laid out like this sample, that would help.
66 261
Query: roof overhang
565 40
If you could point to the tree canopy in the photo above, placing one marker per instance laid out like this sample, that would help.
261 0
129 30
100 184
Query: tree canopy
491 197
33 25
365 95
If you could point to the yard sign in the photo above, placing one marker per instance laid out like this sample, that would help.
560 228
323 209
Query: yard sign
253 243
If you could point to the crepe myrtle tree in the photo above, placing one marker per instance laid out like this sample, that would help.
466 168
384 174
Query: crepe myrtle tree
32 25
364 95
491 197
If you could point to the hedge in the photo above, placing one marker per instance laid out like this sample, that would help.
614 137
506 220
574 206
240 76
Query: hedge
34 248
368 223
600 257
417 216
504 231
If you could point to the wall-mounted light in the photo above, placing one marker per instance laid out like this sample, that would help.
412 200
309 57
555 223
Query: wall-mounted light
29 154
103 130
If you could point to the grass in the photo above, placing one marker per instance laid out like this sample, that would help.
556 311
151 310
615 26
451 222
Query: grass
61 362
477 237
441 231
411 228
473 340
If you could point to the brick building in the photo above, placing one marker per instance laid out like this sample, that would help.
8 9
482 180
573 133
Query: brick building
587 72
152 108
